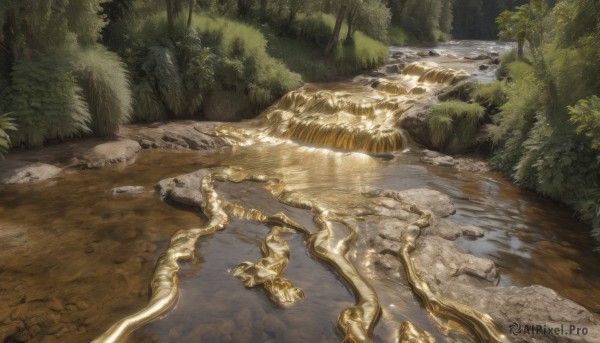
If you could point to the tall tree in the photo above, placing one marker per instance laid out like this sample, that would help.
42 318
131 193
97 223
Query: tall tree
335 36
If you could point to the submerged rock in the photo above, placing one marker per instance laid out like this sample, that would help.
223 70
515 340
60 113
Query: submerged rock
13 171
107 153
127 190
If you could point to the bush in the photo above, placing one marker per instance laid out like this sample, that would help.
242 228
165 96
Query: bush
453 125
6 124
490 95
103 79
587 115
46 101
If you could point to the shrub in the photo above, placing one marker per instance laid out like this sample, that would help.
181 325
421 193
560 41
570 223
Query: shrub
103 79
6 124
587 115
453 125
490 95
46 101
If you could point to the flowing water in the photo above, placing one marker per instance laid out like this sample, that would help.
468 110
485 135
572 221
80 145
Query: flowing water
74 259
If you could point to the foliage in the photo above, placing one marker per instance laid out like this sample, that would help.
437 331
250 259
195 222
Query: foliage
490 95
422 19
54 77
46 101
548 132
587 114
453 125
363 54
6 124
103 80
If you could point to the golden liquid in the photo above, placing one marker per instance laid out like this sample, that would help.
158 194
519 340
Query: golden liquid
290 196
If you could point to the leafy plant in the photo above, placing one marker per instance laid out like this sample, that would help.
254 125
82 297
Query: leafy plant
6 124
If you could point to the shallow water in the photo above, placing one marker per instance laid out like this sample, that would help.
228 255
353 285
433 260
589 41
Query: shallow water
76 258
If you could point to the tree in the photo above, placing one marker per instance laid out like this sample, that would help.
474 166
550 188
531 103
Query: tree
525 24
335 36
370 16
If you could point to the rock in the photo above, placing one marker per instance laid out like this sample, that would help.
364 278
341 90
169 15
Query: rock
461 91
107 153
394 68
14 171
495 61
435 158
184 189
438 203
450 230
414 121
127 190
177 135
477 57
433 53
484 67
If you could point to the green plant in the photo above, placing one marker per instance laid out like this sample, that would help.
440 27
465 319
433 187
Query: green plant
490 95
586 113
6 124
46 101
103 79
453 125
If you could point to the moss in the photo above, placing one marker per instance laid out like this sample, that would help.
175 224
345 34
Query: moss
453 125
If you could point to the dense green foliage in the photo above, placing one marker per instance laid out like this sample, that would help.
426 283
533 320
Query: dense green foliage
547 134
423 20
6 125
453 125
55 79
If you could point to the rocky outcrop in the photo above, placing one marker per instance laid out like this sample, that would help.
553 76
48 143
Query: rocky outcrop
472 281
14 171
175 135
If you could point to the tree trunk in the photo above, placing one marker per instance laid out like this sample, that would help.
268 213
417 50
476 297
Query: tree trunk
263 10
520 53
170 16
190 14
336 30
350 21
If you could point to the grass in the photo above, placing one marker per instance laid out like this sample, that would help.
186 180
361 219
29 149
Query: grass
490 95
366 53
453 125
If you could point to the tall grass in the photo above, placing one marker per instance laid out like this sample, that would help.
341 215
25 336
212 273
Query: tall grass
106 89
453 125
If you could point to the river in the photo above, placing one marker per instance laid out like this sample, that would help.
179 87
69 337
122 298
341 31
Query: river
75 259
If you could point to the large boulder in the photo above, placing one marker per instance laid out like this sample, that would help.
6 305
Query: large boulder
414 121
